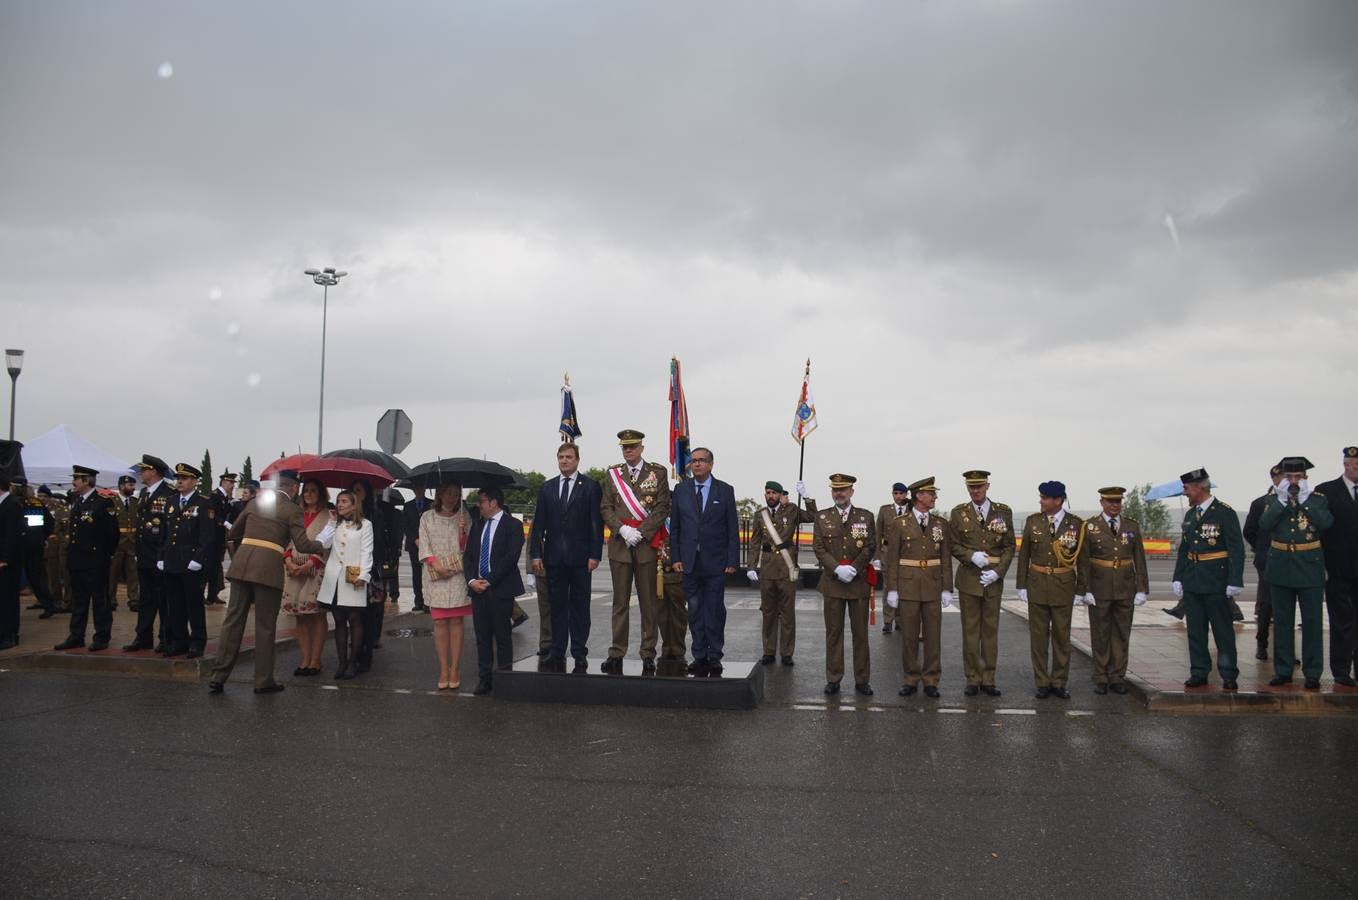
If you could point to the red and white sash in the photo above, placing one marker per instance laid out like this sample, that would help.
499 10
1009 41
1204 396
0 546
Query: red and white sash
629 496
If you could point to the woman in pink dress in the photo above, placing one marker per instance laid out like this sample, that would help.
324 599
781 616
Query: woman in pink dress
302 582
443 537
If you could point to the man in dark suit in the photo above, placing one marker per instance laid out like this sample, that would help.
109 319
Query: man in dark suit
1258 539
705 547
93 527
189 539
566 545
11 560
221 501
410 525
1340 544
491 566
153 508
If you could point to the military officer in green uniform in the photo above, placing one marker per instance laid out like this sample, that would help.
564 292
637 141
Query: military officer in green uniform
983 544
54 554
771 561
1208 574
1050 576
917 561
845 543
1117 584
888 517
635 504
1295 571
124 565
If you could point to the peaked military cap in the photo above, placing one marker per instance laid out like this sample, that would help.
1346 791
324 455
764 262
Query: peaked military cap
840 480
1112 493
44 491
976 476
1351 452
1291 464
184 470
899 488
152 462
20 480
126 479
227 476
1195 475
629 437
924 484
774 486
1052 489
83 472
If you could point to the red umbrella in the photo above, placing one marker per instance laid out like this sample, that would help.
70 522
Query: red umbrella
338 472
296 461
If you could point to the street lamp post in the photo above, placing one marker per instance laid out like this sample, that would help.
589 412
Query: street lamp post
14 362
326 278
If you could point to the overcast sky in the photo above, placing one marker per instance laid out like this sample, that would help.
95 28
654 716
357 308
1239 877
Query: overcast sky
1102 243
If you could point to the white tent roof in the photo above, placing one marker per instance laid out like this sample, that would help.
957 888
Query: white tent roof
48 459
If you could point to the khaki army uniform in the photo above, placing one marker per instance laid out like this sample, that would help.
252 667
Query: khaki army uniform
887 518
845 539
673 603
777 585
1116 561
124 564
635 564
54 555
917 563
1052 569
993 535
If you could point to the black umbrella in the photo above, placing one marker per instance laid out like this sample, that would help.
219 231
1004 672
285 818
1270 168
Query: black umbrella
385 461
470 473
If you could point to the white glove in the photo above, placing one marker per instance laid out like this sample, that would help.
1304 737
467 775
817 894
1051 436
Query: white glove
946 597
195 566
1023 595
326 534
845 573
1139 600
530 580
893 599
226 525
1089 600
1079 599
877 564
989 577
752 575
1233 591
1281 489
1305 492
629 534
1178 588
980 559
160 565
801 489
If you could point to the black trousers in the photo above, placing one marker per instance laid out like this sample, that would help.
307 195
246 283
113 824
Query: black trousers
185 620
89 588
374 614
9 603
150 606
417 576
35 570
490 619
1341 598
568 593
213 582
1263 610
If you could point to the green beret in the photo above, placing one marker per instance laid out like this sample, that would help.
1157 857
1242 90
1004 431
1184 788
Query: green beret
774 486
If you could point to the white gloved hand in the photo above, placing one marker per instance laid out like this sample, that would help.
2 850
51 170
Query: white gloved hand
801 489
1079 599
989 577
1089 600
160 565
629 534
980 559
752 575
195 566
1281 489
326 534
877 564
530 580
1305 491
1178 588
946 597
1139 600
893 599
845 573
1233 591
1023 595
226 525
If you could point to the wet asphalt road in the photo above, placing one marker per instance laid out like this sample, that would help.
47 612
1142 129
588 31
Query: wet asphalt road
124 787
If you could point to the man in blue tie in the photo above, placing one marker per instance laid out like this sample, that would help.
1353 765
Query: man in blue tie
705 547
491 565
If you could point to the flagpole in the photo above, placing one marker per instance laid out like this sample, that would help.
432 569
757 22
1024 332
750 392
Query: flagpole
801 472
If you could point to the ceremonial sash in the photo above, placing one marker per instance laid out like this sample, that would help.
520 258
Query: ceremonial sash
634 506
774 540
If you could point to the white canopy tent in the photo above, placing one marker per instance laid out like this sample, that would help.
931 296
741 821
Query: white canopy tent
48 459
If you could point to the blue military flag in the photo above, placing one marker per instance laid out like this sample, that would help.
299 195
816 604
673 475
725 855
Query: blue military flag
570 425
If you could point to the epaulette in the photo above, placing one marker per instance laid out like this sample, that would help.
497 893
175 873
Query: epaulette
961 506
1225 505
616 466
999 505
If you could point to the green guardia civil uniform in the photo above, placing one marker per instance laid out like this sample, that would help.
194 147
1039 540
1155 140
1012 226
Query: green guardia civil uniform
989 529
1050 569
1295 573
1211 557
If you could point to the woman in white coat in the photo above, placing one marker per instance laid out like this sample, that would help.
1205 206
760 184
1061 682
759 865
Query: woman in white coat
344 586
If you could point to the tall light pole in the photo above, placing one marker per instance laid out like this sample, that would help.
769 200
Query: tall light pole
14 362
326 278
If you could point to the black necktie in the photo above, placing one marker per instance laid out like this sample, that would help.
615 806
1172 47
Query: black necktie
565 490
1113 525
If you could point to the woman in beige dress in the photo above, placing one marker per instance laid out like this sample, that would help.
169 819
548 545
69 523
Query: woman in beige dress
443 537
302 582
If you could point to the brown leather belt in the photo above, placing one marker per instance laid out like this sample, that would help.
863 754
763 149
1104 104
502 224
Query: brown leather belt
1208 557
1050 570
920 563
1294 548
127 531
1112 563
267 545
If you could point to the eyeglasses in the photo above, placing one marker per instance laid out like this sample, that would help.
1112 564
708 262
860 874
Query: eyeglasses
699 459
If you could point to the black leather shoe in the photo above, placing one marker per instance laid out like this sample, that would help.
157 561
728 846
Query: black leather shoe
714 669
1229 686
69 644
581 665
269 688
766 659
518 620
832 687
1236 614
990 690
46 614
1312 684
482 686
1118 687
1345 680
863 688
611 666
1177 612
931 691
96 646
1100 689
1041 693
698 667
1061 693
1195 681
1278 681
215 687
1261 652
299 672
886 629
971 690
908 690
544 652
648 667
787 661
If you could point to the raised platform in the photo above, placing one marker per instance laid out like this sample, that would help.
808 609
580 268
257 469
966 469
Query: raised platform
741 685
